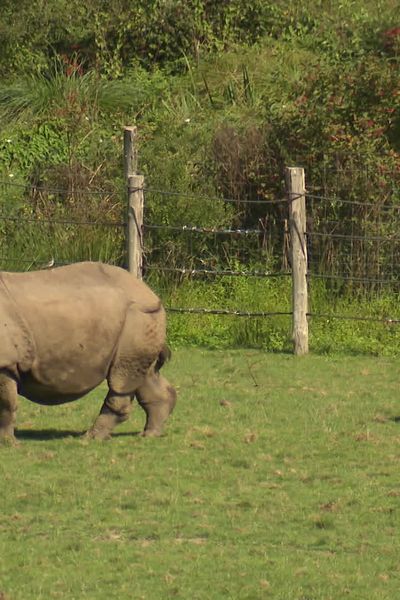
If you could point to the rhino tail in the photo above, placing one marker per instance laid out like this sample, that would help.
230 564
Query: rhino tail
163 357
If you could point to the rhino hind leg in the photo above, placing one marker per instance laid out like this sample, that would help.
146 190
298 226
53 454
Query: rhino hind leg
157 398
8 407
115 410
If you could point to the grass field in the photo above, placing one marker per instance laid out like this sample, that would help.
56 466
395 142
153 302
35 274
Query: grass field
277 478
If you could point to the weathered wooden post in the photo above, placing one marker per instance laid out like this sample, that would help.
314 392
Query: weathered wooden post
295 183
135 225
130 152
134 184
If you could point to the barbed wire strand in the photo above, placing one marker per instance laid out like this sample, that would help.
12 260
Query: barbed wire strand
223 311
386 320
216 272
195 228
184 228
46 262
198 229
64 191
239 313
147 190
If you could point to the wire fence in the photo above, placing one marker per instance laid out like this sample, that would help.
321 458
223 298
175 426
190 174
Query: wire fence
362 247
182 251
43 225
353 245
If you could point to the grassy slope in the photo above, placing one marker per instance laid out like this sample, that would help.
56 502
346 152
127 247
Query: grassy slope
287 490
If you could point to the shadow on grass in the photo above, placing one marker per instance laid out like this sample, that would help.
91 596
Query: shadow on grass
41 435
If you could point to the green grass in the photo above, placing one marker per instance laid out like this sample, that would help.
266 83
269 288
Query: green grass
277 478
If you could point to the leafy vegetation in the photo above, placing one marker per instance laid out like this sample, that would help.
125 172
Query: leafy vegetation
270 483
225 95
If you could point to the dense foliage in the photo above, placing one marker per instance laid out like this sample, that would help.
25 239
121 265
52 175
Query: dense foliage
225 94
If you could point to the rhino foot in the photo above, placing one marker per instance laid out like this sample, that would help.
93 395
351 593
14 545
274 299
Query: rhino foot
151 433
8 439
97 434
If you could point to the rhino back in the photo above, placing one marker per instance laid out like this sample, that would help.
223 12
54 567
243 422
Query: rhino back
74 316
136 290
86 274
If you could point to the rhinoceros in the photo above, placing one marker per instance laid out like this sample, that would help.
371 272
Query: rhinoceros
64 330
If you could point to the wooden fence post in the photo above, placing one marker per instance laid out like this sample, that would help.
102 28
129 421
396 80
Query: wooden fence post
295 183
135 225
134 184
130 152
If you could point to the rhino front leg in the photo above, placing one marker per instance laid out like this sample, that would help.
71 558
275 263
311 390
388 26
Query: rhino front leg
116 409
157 398
8 407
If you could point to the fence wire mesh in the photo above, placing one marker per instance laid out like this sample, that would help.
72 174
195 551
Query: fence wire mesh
352 239
354 247
41 226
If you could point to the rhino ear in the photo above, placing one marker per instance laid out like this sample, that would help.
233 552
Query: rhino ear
15 344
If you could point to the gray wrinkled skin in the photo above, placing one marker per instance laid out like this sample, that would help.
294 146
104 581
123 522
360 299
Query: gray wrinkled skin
65 330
